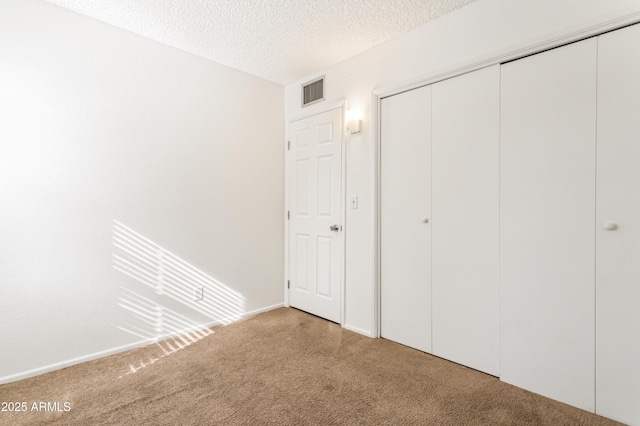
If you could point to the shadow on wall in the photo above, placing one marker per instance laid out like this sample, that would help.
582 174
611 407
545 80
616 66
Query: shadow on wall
171 278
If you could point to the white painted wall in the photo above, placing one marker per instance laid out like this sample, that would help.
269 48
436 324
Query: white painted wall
99 125
484 29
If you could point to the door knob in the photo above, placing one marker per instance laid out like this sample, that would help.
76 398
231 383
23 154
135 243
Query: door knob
335 228
610 226
425 220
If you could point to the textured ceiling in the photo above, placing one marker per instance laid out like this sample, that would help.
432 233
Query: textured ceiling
279 40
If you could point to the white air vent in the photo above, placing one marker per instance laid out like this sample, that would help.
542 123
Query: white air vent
313 91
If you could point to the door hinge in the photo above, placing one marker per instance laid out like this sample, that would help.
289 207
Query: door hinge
288 284
288 214
289 145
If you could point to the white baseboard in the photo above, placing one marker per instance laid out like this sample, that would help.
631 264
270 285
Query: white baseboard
358 330
112 351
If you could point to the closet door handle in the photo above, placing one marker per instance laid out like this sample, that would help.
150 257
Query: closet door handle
425 220
610 226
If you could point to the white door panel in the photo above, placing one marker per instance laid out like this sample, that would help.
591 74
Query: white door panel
465 204
547 218
315 261
618 251
405 244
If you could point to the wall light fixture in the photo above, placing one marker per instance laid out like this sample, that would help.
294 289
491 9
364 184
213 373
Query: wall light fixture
354 121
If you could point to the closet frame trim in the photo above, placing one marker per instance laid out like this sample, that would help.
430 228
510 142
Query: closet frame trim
518 51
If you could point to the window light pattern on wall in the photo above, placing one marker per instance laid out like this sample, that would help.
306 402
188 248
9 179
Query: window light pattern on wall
174 282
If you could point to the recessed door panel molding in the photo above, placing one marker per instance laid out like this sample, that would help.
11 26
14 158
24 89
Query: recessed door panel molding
302 262
547 218
325 170
302 137
315 261
405 235
465 219
618 227
302 187
325 133
323 287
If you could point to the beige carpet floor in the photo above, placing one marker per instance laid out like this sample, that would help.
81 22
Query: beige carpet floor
282 367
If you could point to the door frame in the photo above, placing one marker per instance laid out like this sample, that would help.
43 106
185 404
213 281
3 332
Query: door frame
342 106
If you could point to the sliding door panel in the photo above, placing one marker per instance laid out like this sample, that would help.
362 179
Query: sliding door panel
405 208
618 227
465 205
547 221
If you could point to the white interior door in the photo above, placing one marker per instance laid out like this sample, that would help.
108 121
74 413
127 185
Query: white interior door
465 223
405 209
315 214
547 218
618 250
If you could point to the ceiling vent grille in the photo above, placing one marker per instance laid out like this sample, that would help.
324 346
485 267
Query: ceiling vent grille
313 91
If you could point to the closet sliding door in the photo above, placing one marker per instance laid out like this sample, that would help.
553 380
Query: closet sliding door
405 211
547 223
618 227
465 205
